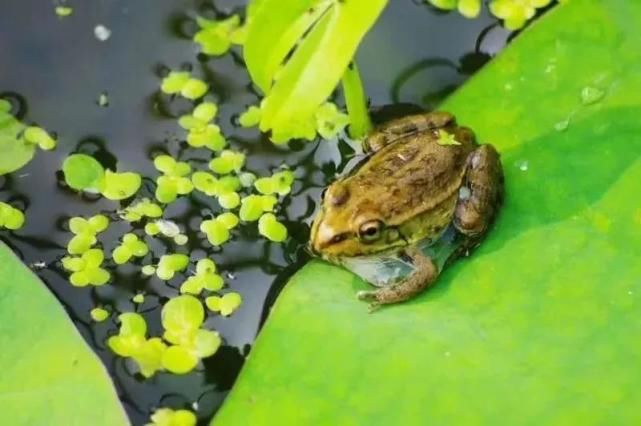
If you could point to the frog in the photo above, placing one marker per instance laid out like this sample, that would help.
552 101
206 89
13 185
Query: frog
424 178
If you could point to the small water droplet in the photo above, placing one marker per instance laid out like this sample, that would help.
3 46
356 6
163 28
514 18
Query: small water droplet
523 165
591 95
630 292
447 353
102 33
231 276
464 193
562 125
508 86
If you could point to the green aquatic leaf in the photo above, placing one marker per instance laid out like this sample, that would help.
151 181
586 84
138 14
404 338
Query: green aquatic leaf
15 152
49 376
541 323
169 417
10 217
99 314
83 173
170 264
329 34
270 228
226 304
120 186
39 136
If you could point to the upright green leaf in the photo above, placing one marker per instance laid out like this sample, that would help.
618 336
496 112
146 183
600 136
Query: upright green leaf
541 324
331 32
49 375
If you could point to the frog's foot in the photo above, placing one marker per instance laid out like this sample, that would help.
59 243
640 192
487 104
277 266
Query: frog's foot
425 273
369 296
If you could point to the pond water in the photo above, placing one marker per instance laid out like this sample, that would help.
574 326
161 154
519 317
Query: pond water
56 69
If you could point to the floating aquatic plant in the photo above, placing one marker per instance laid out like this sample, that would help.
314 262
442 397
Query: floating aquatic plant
87 269
253 206
279 183
227 161
181 82
170 264
17 141
10 217
270 228
445 138
120 186
83 173
226 304
250 117
169 417
131 246
216 230
202 133
140 210
330 122
85 232
205 278
63 11
39 136
216 37
99 314
132 342
182 318
174 180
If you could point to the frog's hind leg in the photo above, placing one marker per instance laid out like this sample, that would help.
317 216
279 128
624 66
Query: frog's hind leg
424 275
406 126
482 194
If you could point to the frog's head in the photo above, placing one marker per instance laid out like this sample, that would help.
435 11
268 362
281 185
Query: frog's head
350 224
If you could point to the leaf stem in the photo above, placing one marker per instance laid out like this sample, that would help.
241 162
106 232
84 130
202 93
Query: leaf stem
356 102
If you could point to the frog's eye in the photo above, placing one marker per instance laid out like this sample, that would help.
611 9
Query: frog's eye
370 231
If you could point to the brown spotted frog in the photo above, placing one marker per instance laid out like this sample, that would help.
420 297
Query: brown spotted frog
426 194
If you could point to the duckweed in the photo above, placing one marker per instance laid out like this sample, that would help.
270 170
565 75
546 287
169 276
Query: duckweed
120 186
226 304
227 161
181 82
205 278
131 246
169 417
87 269
99 314
10 217
170 264
271 228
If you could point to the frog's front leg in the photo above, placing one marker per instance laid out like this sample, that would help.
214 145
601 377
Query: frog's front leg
406 126
480 199
425 274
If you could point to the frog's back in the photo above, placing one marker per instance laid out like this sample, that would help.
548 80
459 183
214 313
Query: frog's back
415 174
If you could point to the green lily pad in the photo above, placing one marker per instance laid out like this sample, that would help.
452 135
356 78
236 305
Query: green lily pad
541 323
49 374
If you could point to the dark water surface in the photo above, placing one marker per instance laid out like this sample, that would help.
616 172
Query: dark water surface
57 69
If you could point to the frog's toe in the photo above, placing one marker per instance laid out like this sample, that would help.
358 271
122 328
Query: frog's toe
373 307
367 296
